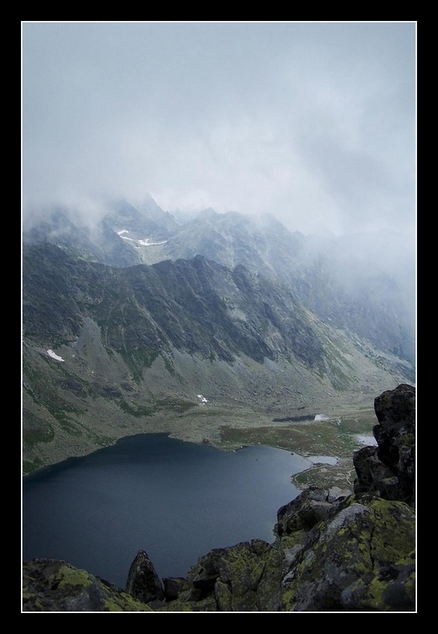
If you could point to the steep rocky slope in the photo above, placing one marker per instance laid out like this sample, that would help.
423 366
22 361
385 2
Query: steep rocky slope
362 283
109 352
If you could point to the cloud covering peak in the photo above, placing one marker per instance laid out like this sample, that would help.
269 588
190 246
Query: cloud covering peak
313 122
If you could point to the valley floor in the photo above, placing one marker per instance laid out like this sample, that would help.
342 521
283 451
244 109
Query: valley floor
337 437
229 428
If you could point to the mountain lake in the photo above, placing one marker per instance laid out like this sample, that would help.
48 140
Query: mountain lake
176 500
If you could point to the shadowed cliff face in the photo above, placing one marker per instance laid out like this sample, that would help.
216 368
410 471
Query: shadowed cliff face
194 306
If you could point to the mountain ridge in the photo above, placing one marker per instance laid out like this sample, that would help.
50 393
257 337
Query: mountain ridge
340 279
131 346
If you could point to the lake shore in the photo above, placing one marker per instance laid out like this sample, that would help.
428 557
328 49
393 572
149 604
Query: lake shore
228 426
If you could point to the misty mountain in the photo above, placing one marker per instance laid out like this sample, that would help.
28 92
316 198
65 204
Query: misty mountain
196 306
108 349
363 284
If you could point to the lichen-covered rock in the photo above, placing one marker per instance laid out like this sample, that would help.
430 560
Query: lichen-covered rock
342 562
143 582
390 588
306 510
388 470
52 585
241 578
173 586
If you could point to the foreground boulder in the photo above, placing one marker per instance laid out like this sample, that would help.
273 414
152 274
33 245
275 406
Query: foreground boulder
51 585
143 582
388 470
241 578
356 553
361 557
333 551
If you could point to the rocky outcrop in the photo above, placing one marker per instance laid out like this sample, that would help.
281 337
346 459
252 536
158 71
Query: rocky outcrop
388 470
143 582
360 556
245 577
356 553
51 585
334 551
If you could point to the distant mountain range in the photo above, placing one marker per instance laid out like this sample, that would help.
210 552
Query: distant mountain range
142 311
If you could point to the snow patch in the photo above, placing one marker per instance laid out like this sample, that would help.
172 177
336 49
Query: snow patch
146 243
54 356
143 243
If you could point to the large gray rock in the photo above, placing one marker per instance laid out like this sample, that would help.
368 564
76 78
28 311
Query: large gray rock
388 470
360 558
53 585
306 510
143 582
241 578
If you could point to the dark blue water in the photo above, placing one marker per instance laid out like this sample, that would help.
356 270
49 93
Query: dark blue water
175 500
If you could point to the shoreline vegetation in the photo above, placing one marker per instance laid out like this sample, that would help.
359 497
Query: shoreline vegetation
331 436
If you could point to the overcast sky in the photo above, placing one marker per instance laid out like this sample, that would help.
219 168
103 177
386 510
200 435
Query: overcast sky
313 122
